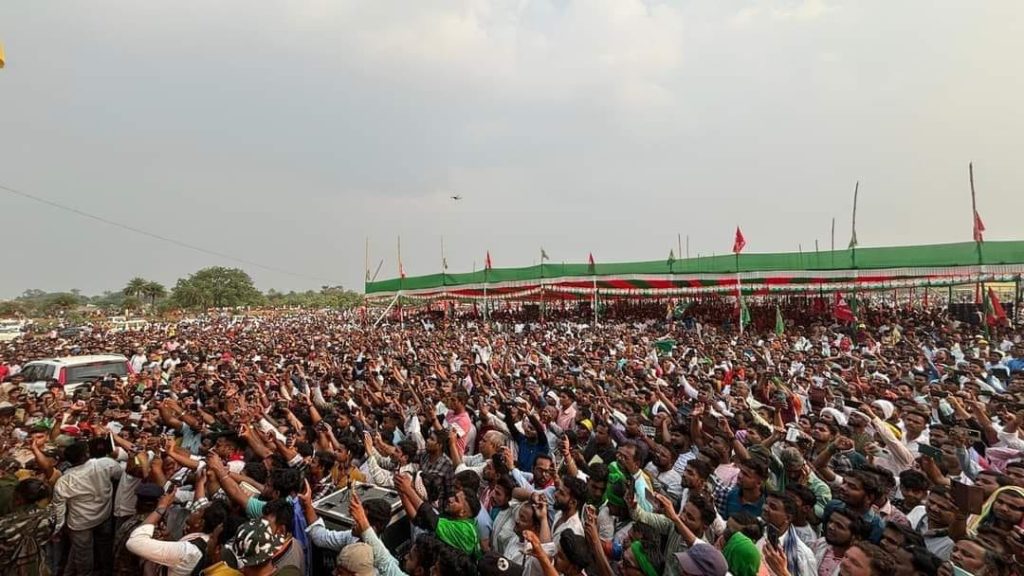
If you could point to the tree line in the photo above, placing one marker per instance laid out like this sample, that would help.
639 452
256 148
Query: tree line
214 287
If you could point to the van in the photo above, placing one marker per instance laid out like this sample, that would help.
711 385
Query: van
73 372
11 330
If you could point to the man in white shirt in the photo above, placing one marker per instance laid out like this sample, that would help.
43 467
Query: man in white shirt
180 557
86 491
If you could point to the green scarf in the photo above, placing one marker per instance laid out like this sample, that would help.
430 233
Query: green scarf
642 560
460 534
615 475
742 555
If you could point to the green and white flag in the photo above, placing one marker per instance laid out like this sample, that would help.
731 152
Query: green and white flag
780 325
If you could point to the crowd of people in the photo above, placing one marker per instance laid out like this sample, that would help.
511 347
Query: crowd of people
652 443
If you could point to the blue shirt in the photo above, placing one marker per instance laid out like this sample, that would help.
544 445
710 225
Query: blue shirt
734 503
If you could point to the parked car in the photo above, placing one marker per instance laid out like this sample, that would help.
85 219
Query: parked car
11 330
72 371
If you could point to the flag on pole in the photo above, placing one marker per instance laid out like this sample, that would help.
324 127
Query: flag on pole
401 270
744 311
671 258
979 226
853 235
739 242
591 268
444 263
780 325
841 309
994 311
543 254
487 261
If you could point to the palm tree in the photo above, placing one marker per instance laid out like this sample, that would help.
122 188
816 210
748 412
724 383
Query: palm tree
154 291
136 287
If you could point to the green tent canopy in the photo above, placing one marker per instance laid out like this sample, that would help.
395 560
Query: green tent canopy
860 268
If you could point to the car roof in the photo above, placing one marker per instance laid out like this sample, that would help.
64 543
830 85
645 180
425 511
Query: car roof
71 360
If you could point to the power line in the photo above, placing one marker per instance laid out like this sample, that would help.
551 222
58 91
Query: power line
162 238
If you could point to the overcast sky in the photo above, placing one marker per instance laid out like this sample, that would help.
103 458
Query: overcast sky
287 132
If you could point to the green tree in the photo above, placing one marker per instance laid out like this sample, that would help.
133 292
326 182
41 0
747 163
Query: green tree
217 287
60 303
131 303
12 308
154 291
136 287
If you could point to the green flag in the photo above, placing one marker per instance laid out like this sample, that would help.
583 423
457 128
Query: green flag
671 258
780 326
987 311
543 255
744 312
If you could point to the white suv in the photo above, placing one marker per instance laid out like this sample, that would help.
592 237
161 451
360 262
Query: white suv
72 371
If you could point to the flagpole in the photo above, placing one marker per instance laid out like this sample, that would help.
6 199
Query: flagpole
366 264
1016 301
679 244
687 246
853 237
401 284
833 241
977 232
543 305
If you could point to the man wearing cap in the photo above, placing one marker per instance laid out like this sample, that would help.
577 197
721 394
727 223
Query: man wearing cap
147 495
702 560
356 559
256 547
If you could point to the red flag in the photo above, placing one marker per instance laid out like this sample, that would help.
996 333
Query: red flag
979 228
487 263
841 310
995 313
739 242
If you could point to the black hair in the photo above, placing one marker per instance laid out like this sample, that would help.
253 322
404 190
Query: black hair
577 489
453 561
914 479
576 550
702 468
77 453
472 500
409 449
870 482
286 481
326 459
378 512
99 447
758 466
31 490
910 537
469 481
599 472
256 470
305 449
214 515
924 561
705 506
881 561
282 511
750 525
506 482
802 493
544 457
427 546
789 502
859 528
